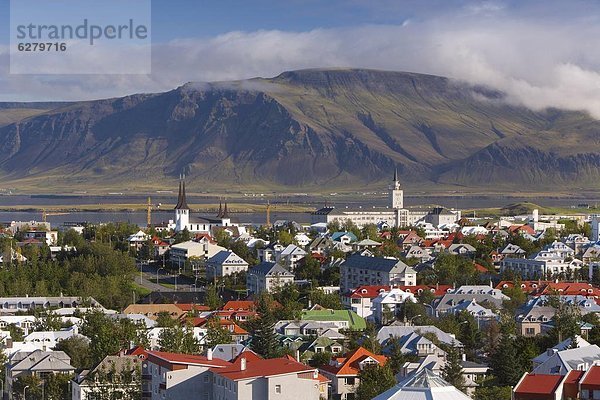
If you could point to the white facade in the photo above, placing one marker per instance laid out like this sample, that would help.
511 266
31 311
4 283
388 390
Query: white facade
391 301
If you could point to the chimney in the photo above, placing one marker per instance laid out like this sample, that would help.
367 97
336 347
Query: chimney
209 354
298 355
464 357
243 364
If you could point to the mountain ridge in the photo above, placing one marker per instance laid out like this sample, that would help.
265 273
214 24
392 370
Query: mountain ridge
338 128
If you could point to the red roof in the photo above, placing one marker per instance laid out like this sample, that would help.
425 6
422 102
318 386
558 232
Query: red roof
372 291
569 288
481 268
571 384
137 351
259 367
239 305
526 286
349 365
521 228
538 384
591 378
178 358
369 291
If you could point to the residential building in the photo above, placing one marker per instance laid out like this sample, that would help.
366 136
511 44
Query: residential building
343 372
48 237
555 259
181 252
224 263
114 377
342 319
36 363
153 310
480 293
388 304
252 378
562 362
179 376
289 257
266 276
359 270
16 304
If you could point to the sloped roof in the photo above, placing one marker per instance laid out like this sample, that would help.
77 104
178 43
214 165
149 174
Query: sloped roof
349 365
256 367
539 384
376 263
423 384
354 320
270 268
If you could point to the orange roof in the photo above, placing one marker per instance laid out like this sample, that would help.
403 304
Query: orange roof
349 365
190 306
481 268
239 305
539 384
259 367
178 358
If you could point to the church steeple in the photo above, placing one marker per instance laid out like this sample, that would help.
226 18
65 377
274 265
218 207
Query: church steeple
181 200
220 213
225 212
396 174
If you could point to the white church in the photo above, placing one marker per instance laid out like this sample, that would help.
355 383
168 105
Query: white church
394 215
196 224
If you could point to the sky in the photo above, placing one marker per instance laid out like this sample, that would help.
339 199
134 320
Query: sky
541 53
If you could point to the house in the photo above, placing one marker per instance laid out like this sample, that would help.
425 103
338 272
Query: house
424 384
321 245
46 340
417 252
153 310
562 362
48 237
270 252
266 276
581 384
137 240
36 363
160 246
302 239
342 319
343 372
360 270
181 252
564 345
513 251
482 315
406 336
16 304
321 344
344 237
23 322
178 376
462 249
554 260
224 263
289 257
115 376
479 293
251 378
388 304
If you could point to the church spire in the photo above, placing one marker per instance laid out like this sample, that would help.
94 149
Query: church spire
395 174
220 209
181 200
225 212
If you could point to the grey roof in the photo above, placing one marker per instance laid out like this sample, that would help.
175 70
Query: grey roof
386 332
423 384
222 256
376 263
570 359
270 268
39 360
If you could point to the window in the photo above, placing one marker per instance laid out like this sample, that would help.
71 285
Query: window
530 331
350 381
277 388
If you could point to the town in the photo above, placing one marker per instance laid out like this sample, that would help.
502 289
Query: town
370 303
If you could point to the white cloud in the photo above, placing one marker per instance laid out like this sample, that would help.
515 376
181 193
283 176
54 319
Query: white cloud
539 62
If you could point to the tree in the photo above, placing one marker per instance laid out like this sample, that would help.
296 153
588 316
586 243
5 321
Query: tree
505 362
164 320
493 393
213 301
319 359
216 334
396 358
452 371
178 340
264 340
370 341
374 380
285 238
78 349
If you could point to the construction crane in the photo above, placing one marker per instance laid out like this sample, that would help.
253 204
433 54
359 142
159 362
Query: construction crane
149 213
268 221
46 214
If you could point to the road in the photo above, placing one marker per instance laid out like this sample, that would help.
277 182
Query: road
149 275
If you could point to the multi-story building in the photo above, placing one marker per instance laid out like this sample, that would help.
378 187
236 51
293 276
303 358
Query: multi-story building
179 376
224 263
252 378
360 270
393 215
389 303
555 259
266 276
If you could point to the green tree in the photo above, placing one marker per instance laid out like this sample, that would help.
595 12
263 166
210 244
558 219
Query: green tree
493 393
320 359
452 371
505 363
77 348
213 301
396 358
216 334
264 340
374 380
178 340
164 320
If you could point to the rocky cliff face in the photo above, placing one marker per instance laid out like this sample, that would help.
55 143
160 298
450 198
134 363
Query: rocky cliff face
310 129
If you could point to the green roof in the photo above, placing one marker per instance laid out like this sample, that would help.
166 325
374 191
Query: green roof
354 321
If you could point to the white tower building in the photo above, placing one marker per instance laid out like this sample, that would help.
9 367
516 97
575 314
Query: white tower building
396 194
182 211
